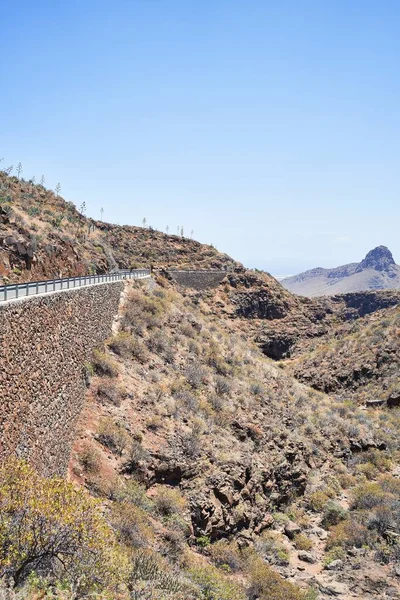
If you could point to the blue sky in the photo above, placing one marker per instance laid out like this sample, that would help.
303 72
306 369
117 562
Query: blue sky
270 127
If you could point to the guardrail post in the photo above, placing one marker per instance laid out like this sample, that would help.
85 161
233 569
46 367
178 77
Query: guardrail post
54 285
5 293
45 287
37 287
27 289
16 291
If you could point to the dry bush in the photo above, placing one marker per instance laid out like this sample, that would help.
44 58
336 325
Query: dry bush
187 401
227 554
127 345
349 533
142 311
136 458
113 435
168 502
269 546
156 576
121 344
90 458
108 390
159 343
222 386
368 496
214 585
104 364
131 524
317 500
265 584
196 375
133 492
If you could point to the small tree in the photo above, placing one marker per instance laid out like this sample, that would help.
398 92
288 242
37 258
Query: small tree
167 229
58 189
191 234
19 170
144 222
42 181
9 170
101 213
33 180
82 208
181 231
177 230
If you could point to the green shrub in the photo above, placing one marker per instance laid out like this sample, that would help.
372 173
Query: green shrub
214 585
317 500
367 496
302 542
333 514
51 525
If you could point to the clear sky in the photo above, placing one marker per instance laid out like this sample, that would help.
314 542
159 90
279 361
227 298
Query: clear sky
270 127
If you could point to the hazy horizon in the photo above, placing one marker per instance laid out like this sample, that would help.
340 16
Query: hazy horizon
269 128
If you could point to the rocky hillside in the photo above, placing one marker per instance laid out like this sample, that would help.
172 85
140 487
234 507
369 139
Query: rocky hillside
218 473
377 271
360 360
282 323
42 236
222 461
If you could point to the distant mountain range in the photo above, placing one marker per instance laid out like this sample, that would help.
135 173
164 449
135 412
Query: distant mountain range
377 271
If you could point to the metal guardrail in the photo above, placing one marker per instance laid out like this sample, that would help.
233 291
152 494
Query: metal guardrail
32 288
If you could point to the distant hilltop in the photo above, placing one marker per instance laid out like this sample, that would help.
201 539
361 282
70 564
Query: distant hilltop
377 271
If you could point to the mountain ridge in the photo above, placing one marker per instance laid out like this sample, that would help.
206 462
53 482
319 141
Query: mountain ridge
377 271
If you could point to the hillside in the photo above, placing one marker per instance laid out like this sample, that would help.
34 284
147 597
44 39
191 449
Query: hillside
42 236
231 460
377 271
360 360
216 472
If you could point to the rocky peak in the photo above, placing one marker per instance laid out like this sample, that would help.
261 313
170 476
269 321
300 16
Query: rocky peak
380 259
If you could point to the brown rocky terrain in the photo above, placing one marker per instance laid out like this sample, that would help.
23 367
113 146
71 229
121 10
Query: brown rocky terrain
42 236
359 359
183 405
226 475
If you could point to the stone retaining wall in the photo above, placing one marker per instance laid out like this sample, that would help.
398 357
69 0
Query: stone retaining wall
44 344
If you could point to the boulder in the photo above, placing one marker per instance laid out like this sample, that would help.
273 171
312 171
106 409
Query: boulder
333 588
334 565
292 529
306 557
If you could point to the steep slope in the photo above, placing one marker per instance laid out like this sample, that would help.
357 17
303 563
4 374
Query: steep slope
377 271
243 460
360 360
42 236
